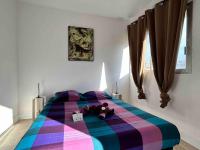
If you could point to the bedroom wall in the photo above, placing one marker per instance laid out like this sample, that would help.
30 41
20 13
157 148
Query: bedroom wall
183 110
43 49
8 67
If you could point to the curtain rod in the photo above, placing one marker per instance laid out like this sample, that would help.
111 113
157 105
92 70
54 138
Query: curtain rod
188 2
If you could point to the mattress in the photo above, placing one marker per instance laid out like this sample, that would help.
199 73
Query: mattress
129 128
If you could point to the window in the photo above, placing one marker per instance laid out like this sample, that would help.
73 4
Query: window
181 59
184 58
147 56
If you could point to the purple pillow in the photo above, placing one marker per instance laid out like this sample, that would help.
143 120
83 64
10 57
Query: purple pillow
70 95
96 95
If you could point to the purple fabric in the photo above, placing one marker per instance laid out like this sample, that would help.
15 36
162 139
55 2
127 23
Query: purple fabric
129 128
70 95
96 95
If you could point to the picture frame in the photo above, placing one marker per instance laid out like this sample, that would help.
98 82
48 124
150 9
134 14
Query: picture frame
80 44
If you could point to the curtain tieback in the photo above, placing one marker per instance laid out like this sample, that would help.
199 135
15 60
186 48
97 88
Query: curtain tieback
164 99
141 94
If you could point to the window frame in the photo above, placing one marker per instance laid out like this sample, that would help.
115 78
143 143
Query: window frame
188 69
188 47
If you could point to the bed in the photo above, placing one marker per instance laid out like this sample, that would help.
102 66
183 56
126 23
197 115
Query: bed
129 128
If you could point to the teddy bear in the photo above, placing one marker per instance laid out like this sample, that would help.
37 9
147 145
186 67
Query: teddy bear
105 111
102 111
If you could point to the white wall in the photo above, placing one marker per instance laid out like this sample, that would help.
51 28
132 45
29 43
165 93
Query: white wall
8 64
183 110
43 49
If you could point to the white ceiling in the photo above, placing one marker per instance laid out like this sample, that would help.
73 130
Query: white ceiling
108 8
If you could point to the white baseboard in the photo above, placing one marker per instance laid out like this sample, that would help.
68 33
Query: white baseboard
25 116
15 119
6 132
191 140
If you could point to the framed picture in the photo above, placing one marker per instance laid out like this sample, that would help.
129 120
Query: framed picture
80 44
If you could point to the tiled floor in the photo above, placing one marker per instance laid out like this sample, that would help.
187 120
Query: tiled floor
15 133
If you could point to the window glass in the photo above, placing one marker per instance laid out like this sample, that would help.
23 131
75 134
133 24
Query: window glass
181 60
147 57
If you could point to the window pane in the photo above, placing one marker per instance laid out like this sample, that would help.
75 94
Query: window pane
181 60
147 64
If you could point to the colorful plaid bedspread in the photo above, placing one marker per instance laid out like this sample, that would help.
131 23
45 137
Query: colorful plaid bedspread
130 128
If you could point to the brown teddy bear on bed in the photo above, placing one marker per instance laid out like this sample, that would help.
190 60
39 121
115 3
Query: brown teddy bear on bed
102 111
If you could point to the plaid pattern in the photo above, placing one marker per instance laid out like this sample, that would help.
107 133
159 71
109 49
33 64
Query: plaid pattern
70 95
73 96
95 95
129 128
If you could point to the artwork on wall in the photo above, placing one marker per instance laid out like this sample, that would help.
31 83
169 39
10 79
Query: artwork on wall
80 44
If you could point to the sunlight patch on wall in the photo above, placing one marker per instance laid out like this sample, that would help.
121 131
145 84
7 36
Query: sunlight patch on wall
103 83
6 118
125 63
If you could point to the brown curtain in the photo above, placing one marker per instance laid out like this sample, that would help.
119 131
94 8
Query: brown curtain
165 23
136 36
